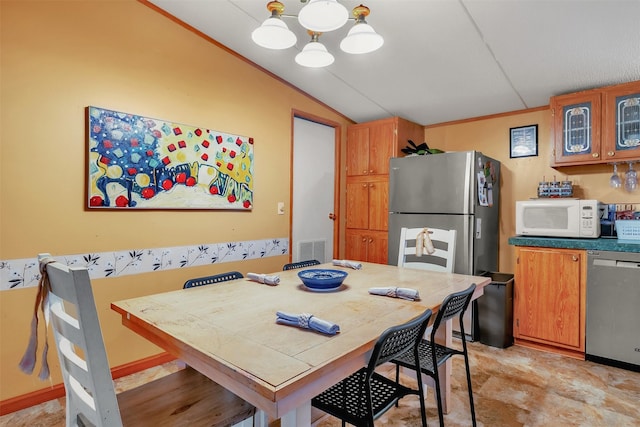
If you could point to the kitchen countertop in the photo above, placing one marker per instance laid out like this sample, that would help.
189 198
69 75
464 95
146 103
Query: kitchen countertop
600 244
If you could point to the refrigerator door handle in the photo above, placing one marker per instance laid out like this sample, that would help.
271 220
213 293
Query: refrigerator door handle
468 181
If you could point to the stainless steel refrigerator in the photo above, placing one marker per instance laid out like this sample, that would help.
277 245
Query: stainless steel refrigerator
456 190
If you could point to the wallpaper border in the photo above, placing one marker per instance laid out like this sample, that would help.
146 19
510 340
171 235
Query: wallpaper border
24 273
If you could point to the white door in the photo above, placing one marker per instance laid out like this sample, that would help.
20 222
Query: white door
313 183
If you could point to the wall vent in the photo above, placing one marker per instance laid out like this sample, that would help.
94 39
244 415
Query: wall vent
311 249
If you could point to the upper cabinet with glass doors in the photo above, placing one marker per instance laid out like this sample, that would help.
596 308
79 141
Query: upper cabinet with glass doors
597 126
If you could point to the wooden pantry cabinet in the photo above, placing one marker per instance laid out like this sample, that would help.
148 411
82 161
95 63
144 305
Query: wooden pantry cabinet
370 146
596 126
549 300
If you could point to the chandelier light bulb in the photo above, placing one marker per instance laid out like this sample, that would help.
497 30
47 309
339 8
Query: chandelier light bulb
323 15
314 55
361 39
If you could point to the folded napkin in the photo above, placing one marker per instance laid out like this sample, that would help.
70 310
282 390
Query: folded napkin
264 278
307 321
424 245
346 263
404 293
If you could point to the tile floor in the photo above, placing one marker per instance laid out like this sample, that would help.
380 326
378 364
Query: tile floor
512 387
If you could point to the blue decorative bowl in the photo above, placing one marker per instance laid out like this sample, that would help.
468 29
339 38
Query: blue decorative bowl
319 279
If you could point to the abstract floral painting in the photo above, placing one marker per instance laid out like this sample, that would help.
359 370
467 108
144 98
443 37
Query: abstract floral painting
144 163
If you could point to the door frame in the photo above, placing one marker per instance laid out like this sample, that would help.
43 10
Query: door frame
337 176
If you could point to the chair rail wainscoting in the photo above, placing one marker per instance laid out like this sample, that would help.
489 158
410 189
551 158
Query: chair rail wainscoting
515 386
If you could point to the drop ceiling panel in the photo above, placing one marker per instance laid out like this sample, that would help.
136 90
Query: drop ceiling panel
443 60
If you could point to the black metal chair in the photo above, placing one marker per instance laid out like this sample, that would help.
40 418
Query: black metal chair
431 355
301 264
209 280
365 395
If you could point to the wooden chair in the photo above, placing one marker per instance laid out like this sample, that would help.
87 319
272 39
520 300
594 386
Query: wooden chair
210 280
443 259
364 396
182 398
431 355
301 264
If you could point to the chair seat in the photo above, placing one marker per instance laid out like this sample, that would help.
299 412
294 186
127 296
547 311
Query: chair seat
185 397
347 399
425 352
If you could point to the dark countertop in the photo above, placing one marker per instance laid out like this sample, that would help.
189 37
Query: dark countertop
601 244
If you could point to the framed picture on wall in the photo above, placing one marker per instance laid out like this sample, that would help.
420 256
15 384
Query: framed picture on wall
523 141
137 162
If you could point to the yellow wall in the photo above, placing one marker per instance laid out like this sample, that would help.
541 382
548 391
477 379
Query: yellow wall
520 176
58 57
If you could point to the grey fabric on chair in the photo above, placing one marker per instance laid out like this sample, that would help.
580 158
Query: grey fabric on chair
209 280
301 264
431 355
365 395
184 397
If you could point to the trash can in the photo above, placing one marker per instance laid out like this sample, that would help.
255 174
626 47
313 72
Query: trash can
495 311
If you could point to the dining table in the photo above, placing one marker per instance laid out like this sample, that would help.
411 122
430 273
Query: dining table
228 331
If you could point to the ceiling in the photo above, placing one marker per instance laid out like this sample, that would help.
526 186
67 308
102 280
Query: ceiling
443 60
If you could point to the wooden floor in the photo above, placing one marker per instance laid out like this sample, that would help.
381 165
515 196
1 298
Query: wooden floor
512 387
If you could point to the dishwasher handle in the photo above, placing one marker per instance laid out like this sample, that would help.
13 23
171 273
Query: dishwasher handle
616 263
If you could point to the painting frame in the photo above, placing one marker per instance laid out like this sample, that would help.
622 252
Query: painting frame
138 162
523 141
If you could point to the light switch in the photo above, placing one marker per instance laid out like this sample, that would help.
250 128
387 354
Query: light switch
280 208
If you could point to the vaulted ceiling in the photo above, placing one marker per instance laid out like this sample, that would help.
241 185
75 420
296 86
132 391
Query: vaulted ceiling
443 60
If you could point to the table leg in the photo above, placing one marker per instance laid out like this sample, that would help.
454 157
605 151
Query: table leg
299 417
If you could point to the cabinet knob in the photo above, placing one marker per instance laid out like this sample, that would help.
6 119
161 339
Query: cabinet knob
371 171
370 240
611 153
574 258
364 240
364 185
595 155
364 172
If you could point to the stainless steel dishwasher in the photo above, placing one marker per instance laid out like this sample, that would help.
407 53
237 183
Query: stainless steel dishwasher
613 309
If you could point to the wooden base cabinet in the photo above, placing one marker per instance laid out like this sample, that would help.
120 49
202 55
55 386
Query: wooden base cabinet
370 146
366 245
550 300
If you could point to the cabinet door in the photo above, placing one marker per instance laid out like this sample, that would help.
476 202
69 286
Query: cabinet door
381 146
377 248
549 297
379 205
621 121
358 150
356 244
357 204
576 123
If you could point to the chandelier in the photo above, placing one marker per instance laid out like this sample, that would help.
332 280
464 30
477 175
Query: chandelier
317 16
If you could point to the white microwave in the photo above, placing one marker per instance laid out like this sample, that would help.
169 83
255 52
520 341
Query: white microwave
558 218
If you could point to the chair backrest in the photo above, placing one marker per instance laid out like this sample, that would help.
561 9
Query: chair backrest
398 340
443 259
454 304
85 369
210 280
301 264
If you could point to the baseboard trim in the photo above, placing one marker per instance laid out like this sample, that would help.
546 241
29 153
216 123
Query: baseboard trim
57 390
